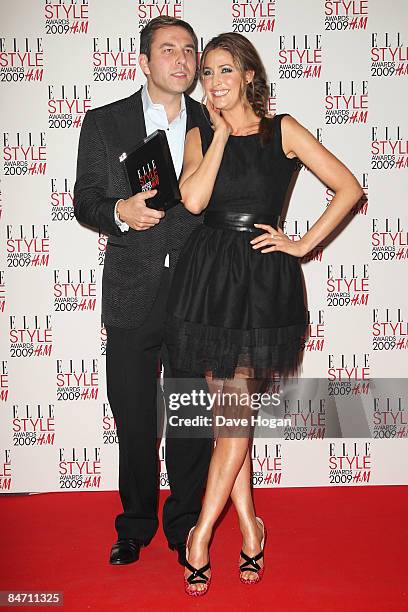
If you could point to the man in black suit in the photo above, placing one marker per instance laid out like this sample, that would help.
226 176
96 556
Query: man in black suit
141 253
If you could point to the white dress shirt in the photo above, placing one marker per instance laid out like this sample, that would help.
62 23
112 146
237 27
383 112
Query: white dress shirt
156 119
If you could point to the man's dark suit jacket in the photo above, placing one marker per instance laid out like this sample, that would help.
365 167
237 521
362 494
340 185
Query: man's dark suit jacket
134 260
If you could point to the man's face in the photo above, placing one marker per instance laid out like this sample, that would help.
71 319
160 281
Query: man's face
172 65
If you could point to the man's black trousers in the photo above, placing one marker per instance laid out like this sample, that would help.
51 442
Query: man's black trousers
132 358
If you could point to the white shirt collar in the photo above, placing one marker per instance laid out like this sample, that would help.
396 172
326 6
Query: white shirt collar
151 107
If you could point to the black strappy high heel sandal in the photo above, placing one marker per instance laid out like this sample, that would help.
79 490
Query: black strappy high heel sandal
251 563
197 576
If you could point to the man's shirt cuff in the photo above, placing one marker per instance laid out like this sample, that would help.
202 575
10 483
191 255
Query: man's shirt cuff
121 224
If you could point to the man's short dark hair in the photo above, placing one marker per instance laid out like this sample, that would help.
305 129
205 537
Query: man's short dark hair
146 35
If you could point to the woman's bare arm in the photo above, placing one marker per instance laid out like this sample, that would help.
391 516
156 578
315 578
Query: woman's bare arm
199 173
298 141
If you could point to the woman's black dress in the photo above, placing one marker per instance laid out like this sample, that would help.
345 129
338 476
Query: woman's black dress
230 305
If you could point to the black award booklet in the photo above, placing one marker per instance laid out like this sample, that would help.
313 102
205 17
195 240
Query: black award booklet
150 166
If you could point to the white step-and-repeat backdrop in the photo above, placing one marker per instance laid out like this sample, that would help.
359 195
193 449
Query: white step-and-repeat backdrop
340 67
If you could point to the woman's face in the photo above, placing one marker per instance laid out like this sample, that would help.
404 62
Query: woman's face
222 80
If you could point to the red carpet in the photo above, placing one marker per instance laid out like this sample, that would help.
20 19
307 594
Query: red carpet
327 549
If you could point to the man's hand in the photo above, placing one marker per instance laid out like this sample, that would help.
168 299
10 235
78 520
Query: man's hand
136 214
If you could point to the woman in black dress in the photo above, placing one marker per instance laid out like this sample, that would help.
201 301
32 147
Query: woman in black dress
236 310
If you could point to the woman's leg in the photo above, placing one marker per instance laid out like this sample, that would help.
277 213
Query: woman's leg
226 463
252 532
227 460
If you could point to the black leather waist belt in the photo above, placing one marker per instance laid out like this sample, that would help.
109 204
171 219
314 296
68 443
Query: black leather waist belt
241 222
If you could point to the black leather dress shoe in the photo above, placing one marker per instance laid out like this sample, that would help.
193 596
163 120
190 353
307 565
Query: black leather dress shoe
181 552
125 551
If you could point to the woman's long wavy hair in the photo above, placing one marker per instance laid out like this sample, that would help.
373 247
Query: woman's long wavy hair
245 57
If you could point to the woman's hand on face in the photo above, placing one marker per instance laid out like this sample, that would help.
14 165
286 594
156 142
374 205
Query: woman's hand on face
275 240
217 120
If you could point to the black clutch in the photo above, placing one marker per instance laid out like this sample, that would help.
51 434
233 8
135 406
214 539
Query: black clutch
150 166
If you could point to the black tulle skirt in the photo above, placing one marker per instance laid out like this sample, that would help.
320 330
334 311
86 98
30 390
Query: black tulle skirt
231 306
